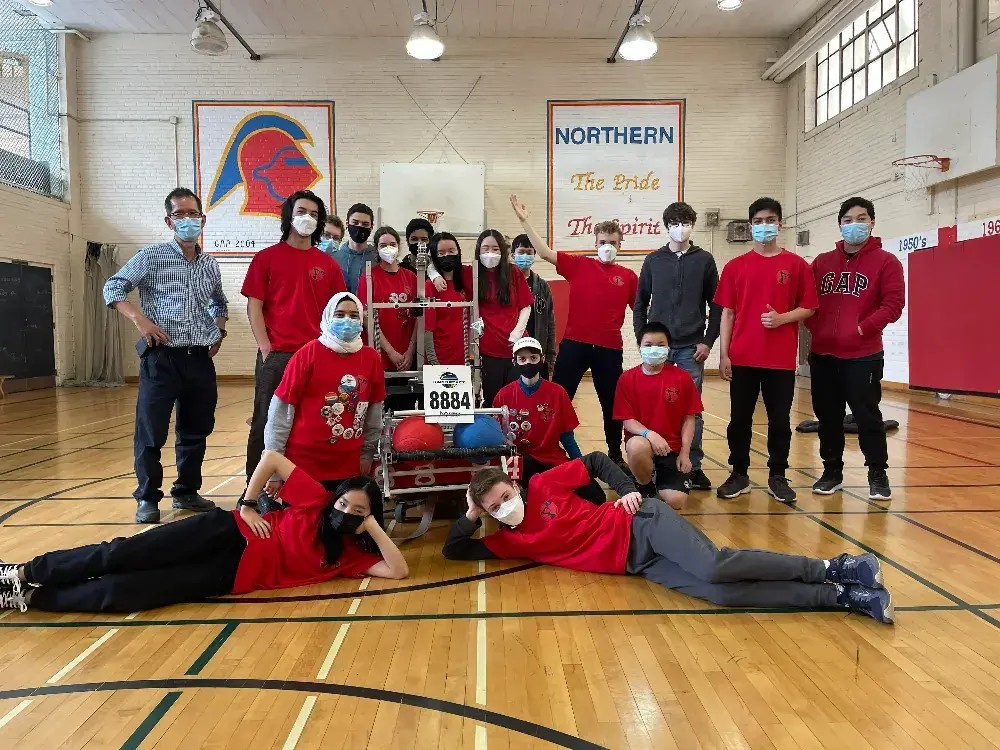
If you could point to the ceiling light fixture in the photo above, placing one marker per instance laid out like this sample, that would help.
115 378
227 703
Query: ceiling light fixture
424 42
41 3
729 4
639 43
207 38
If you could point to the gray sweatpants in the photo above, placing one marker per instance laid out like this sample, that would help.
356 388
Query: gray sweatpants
669 550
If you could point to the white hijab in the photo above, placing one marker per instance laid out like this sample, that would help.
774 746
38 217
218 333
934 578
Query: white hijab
326 337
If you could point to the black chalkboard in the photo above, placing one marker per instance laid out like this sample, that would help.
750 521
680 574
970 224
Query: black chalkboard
27 341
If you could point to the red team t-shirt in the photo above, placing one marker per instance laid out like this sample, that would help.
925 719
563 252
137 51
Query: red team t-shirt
293 555
658 402
331 394
499 320
396 326
448 326
598 295
751 282
561 528
295 286
538 420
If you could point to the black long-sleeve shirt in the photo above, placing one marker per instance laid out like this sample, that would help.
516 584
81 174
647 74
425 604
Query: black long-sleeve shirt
461 546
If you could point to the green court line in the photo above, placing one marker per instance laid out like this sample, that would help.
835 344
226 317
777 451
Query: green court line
212 649
150 722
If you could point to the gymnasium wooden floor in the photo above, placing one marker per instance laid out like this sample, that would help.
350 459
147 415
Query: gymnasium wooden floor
509 655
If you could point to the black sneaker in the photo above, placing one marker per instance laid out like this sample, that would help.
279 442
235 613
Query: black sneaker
147 512
829 483
861 569
878 485
737 484
193 502
12 598
698 481
777 487
876 603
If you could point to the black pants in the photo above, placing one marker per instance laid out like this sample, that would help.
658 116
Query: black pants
837 383
266 379
168 376
496 373
177 562
605 366
592 493
778 389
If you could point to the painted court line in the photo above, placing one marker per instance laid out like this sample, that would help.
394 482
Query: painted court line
76 662
224 482
10 715
300 723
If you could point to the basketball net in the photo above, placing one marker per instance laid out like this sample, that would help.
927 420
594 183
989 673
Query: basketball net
431 216
917 171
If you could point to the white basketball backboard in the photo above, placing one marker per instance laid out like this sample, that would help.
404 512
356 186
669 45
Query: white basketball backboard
957 118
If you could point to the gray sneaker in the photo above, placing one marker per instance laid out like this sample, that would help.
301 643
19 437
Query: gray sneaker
147 512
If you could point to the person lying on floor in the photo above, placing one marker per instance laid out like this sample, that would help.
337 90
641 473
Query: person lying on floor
647 537
320 536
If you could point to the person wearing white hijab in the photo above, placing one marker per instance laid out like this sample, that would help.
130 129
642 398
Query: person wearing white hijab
326 414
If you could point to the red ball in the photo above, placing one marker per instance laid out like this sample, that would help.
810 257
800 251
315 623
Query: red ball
414 434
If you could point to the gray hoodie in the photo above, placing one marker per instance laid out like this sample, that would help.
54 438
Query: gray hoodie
675 291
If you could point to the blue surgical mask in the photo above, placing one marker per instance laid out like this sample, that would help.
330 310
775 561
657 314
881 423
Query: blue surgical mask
524 261
345 329
764 233
856 233
187 229
327 244
653 355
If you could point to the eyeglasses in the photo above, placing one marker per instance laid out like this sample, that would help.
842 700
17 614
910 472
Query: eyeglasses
185 215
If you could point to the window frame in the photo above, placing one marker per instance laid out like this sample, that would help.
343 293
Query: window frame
835 80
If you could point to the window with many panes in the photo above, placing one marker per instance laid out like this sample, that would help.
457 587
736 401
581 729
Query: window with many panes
872 52
994 10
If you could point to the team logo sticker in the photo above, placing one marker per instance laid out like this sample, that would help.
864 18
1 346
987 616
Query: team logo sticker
671 394
784 276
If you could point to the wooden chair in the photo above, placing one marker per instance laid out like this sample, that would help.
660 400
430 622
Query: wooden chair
2 379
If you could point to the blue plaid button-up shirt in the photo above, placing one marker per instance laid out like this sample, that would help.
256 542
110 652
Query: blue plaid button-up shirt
182 297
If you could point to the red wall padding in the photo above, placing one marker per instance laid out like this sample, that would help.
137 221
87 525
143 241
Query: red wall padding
954 317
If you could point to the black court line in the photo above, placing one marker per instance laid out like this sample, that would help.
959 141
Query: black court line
306 619
18 509
377 592
482 715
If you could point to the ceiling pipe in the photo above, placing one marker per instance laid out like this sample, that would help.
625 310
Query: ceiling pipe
76 32
614 53
225 22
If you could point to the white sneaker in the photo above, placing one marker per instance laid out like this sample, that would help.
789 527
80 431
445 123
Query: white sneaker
8 576
12 598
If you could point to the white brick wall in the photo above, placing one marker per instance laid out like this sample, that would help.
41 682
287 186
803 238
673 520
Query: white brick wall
735 122
36 229
854 154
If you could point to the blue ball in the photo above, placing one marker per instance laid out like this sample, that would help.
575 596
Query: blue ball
484 432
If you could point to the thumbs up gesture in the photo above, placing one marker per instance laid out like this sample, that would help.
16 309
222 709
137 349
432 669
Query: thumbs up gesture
772 318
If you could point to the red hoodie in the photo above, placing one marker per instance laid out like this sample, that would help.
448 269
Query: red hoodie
865 290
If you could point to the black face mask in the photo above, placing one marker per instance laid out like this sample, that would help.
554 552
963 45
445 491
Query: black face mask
359 234
448 263
529 371
414 247
343 523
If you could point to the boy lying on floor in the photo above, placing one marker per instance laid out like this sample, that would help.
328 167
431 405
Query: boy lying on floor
646 537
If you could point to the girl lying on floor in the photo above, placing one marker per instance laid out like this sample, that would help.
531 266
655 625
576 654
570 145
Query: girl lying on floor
649 538
319 536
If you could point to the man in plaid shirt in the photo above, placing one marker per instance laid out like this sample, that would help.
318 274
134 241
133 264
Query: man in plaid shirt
182 322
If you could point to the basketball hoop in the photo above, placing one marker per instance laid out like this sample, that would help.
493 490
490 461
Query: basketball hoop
916 172
431 216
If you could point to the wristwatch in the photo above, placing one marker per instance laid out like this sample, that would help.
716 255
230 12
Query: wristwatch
224 332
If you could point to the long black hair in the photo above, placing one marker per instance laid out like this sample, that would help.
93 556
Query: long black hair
432 246
333 542
496 278
288 207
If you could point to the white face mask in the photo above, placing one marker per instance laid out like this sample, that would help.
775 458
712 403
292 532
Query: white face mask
510 512
680 232
388 253
304 224
490 260
607 252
